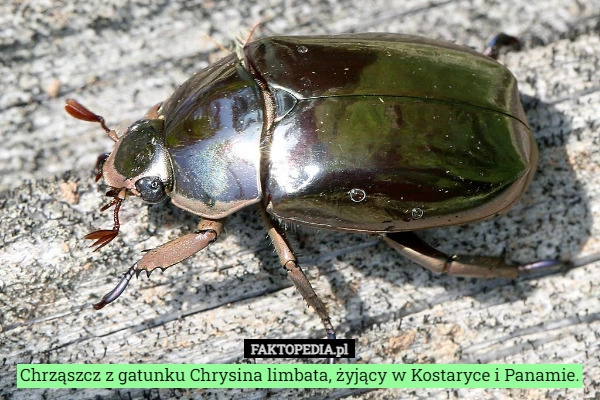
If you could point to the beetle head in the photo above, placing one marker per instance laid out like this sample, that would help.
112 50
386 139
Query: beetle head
140 162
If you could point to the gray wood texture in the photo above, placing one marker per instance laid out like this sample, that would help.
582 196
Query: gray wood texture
119 58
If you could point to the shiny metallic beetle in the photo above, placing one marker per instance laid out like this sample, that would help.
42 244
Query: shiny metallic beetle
377 133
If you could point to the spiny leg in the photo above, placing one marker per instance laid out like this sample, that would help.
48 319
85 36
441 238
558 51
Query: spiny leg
185 246
168 254
411 246
295 273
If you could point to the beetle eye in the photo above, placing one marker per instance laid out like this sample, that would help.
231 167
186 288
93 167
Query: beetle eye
151 189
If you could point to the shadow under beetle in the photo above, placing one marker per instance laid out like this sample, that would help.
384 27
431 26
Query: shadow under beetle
377 133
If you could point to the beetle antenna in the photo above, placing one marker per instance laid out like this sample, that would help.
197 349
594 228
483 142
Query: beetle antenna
79 111
118 290
105 236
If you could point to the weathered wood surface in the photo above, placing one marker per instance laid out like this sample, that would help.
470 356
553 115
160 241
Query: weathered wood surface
119 58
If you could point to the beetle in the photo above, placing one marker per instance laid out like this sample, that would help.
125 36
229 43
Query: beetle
384 134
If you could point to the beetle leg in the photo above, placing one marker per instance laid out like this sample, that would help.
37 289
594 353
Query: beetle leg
179 249
168 254
500 40
295 273
412 247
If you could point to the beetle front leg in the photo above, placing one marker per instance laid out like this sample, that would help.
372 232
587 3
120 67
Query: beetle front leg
295 273
411 246
168 254
185 246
